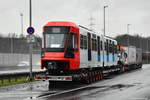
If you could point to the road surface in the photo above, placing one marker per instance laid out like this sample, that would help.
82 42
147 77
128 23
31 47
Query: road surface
133 85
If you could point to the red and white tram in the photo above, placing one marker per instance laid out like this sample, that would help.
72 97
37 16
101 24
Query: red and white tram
75 53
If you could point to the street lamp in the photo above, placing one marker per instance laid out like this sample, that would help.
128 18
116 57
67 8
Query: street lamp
128 31
128 38
21 15
30 11
104 34
104 18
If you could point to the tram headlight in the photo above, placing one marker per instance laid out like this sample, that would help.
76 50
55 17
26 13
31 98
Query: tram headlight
42 55
52 65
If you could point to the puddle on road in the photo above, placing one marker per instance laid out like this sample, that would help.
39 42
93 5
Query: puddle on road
90 92
98 90
119 86
115 86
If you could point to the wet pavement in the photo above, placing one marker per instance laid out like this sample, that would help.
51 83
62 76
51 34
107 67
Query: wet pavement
133 85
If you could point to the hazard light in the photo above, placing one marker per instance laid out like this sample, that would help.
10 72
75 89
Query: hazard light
68 78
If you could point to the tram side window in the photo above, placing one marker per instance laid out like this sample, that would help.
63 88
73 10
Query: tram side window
110 47
85 42
93 45
101 45
81 41
113 51
113 47
98 44
107 46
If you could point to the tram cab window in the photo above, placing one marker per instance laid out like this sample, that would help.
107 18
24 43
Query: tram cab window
76 42
73 41
55 38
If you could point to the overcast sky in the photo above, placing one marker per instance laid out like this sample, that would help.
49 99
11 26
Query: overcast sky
118 15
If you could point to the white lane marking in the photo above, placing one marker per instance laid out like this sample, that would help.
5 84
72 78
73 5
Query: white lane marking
63 92
25 93
30 98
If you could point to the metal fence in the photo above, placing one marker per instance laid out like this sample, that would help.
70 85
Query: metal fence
14 59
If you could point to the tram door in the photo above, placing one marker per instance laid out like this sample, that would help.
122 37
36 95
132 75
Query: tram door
89 47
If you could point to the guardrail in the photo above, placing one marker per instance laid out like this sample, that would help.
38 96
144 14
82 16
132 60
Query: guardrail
14 78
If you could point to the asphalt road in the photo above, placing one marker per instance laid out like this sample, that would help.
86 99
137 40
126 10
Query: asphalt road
133 85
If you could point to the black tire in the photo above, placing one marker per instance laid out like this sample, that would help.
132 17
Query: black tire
51 85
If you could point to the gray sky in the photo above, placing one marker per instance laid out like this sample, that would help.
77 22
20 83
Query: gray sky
118 15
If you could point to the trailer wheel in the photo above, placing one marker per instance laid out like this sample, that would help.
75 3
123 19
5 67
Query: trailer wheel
90 77
51 85
93 77
88 80
99 74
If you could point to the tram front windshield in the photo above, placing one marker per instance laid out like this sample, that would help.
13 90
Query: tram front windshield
55 38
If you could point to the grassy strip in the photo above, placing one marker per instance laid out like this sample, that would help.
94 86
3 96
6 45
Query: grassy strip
13 81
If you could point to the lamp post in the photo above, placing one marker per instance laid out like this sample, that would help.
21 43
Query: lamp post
21 15
30 11
104 18
141 47
128 31
104 36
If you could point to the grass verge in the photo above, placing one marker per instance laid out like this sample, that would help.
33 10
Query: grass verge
13 81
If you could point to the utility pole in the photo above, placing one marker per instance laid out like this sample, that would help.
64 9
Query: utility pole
30 11
128 32
104 20
141 42
11 42
104 35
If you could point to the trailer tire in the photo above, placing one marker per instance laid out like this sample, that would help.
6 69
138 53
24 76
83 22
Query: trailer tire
51 85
